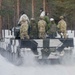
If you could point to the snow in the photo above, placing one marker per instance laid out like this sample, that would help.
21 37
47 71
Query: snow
31 67
7 68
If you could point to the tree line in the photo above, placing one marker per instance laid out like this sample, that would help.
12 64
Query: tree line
10 11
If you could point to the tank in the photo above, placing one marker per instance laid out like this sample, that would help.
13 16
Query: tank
50 48
42 49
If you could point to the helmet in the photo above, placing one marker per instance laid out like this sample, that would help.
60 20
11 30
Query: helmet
51 19
41 17
24 19
32 18
61 17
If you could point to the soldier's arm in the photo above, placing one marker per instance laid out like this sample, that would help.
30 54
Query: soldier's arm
58 26
20 20
27 19
38 25
45 24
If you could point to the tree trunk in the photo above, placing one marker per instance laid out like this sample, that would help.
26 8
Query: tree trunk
8 23
0 21
15 16
18 9
44 5
47 6
32 8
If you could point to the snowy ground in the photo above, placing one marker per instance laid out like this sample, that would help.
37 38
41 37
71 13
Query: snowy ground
7 68
31 67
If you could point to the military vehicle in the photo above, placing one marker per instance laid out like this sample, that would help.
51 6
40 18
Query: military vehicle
49 47
43 49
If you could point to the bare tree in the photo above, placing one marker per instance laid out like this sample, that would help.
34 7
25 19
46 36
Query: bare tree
33 8
0 21
44 5
18 9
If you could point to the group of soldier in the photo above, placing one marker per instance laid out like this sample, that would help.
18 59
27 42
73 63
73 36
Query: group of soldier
45 27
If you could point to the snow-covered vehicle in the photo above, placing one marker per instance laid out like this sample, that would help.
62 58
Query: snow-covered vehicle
48 48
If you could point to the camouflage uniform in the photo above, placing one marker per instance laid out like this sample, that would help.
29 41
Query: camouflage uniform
52 29
33 29
41 28
62 27
46 18
25 17
24 29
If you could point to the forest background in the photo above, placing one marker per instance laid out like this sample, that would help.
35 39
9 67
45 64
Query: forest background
10 11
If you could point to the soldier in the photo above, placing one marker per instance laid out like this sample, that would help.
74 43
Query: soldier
46 18
23 16
41 28
24 29
33 28
42 12
62 26
52 29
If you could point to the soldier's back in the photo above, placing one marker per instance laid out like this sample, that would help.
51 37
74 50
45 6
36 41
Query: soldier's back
24 27
41 25
62 24
53 28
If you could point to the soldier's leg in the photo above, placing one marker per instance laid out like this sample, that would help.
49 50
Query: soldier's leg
43 35
65 34
60 35
22 36
26 35
59 32
54 34
39 34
